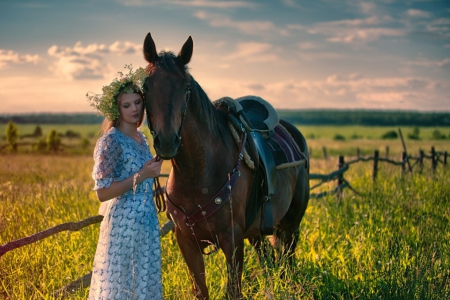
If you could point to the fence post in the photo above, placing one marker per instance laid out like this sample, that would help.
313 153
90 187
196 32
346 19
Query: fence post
445 158
376 154
403 162
421 156
358 152
404 149
341 176
433 159
387 151
325 155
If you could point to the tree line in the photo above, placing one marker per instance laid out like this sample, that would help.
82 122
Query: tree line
297 117
365 117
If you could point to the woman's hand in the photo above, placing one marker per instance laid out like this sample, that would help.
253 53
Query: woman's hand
151 168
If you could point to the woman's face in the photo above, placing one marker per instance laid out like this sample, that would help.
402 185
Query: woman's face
131 108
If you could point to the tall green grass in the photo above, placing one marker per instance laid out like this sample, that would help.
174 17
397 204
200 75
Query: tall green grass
391 240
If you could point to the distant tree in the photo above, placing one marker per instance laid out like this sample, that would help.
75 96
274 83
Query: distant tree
72 134
53 141
415 135
12 133
37 131
390 135
437 135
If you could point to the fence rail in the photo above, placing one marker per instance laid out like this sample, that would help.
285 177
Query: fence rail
342 183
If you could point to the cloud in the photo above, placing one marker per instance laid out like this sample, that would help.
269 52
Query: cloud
246 27
353 91
308 46
423 62
125 48
87 62
190 3
367 7
350 31
417 13
254 52
12 57
363 35
439 27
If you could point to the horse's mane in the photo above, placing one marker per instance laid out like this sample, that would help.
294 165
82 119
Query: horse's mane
201 105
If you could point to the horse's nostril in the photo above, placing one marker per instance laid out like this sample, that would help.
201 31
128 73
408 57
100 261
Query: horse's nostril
177 139
156 141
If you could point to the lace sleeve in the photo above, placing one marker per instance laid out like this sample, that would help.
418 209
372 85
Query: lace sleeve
107 156
146 142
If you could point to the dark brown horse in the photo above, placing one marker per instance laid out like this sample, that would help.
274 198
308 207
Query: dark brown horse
190 131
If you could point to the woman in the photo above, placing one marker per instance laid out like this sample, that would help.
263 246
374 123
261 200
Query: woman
127 263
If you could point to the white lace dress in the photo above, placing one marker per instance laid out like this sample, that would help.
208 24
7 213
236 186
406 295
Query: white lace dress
127 263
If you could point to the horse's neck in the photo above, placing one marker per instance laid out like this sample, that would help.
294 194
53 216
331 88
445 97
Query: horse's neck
205 150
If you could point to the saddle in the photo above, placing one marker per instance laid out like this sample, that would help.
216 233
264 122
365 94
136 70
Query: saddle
265 134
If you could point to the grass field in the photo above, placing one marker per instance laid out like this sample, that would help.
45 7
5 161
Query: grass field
311 132
362 138
391 240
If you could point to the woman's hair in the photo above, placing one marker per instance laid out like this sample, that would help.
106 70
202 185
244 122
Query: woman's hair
107 124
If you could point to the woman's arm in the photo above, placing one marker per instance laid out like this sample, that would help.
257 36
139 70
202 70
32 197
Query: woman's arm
151 169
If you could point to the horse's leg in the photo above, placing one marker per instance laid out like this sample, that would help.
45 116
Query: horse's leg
285 242
266 255
232 244
194 260
287 233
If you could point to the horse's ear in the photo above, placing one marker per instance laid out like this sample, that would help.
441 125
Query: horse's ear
150 49
186 51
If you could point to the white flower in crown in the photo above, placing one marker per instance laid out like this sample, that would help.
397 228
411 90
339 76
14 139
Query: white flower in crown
106 103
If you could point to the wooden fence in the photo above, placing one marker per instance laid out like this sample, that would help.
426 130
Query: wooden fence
407 164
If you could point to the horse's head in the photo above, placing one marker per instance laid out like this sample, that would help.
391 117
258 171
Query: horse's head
167 91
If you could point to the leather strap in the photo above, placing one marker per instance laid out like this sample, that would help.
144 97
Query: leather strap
177 213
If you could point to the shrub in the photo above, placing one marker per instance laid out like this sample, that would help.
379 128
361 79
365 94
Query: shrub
339 137
40 146
311 136
390 135
84 143
437 135
354 136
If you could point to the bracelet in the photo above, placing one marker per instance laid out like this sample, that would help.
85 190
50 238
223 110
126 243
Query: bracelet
135 176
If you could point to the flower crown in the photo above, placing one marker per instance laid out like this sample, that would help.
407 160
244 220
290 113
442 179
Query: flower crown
106 103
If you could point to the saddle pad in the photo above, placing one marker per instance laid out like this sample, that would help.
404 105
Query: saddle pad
285 150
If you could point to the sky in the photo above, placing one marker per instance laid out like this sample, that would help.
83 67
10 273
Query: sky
350 54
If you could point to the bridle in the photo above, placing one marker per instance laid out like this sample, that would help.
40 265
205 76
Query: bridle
159 191
188 96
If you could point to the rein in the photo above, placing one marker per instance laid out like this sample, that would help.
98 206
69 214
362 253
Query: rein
177 213
159 193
